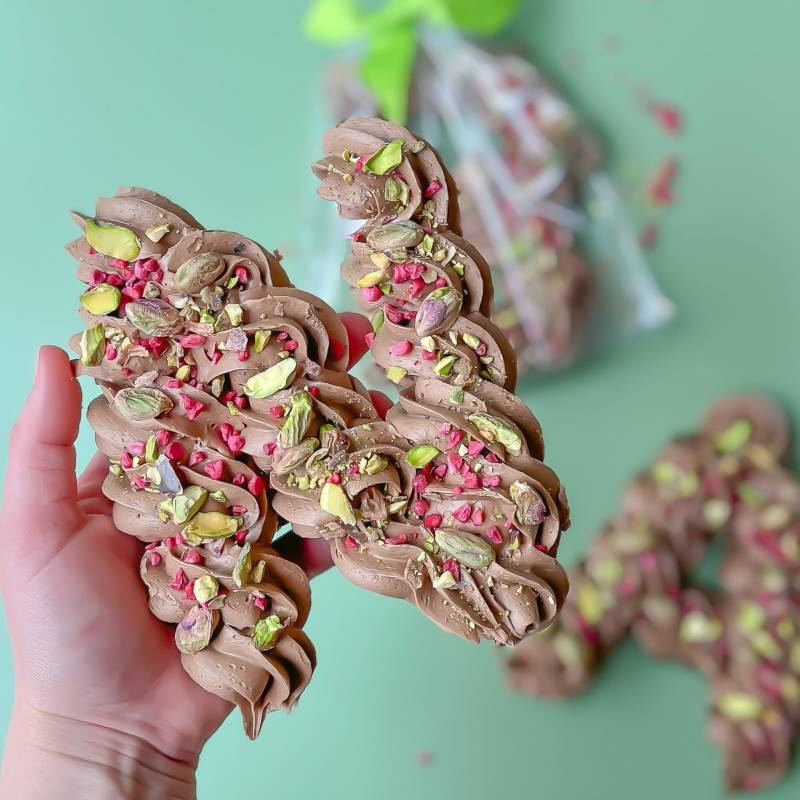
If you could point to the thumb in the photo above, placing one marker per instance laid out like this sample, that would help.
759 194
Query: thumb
40 484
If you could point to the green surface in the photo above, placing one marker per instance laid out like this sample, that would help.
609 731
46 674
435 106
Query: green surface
214 104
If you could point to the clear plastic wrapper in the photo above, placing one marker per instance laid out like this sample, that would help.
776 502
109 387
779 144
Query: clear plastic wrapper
570 276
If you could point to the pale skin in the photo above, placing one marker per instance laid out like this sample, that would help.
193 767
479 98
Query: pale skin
103 708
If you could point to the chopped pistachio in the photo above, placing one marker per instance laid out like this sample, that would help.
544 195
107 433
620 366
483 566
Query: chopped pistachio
206 588
260 340
735 437
386 158
211 525
93 346
234 312
155 233
396 374
265 632
271 380
334 501
113 241
422 455
444 366
243 567
101 300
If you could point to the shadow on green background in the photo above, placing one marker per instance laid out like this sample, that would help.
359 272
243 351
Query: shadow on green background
215 105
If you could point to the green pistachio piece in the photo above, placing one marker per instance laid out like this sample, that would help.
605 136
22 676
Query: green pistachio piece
260 340
437 311
151 448
206 588
471 340
421 455
333 500
113 241
198 272
589 602
444 366
296 422
696 627
531 508
444 581
427 244
740 707
154 317
397 506
751 617
395 235
265 632
735 437
385 158
115 469
285 461
466 548
235 313
243 568
211 525
380 260
456 395
377 320
375 463
142 404
271 380
155 233
608 571
428 343
395 191
101 300
194 631
495 429
188 503
396 374
93 346
716 513
371 278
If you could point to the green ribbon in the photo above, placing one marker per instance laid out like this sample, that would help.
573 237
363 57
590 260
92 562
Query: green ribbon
390 33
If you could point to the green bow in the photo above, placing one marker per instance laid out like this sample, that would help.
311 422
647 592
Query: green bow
391 36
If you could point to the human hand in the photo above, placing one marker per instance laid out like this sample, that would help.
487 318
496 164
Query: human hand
99 682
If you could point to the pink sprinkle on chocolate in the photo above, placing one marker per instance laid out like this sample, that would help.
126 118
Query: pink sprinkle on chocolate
478 515
238 511
393 314
314 391
416 287
241 537
180 581
125 460
290 345
169 542
190 592
492 458
111 351
192 556
180 540
432 521
236 443
452 566
151 546
440 282
243 356
457 490
420 483
371 293
137 448
241 402
494 535
402 348
163 437
173 384
474 447
214 469
369 338
269 447
428 356
192 340
175 451
432 188
420 506
256 485
350 543
454 463
277 411
118 262
260 602
216 356
239 479
335 477
454 438
492 481
399 539
242 274
127 372
463 512
197 457
226 430
541 547
440 471
194 408
472 481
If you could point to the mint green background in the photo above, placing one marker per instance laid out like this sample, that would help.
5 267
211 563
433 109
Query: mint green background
216 105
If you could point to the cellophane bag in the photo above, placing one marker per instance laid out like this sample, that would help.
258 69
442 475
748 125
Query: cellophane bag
570 276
